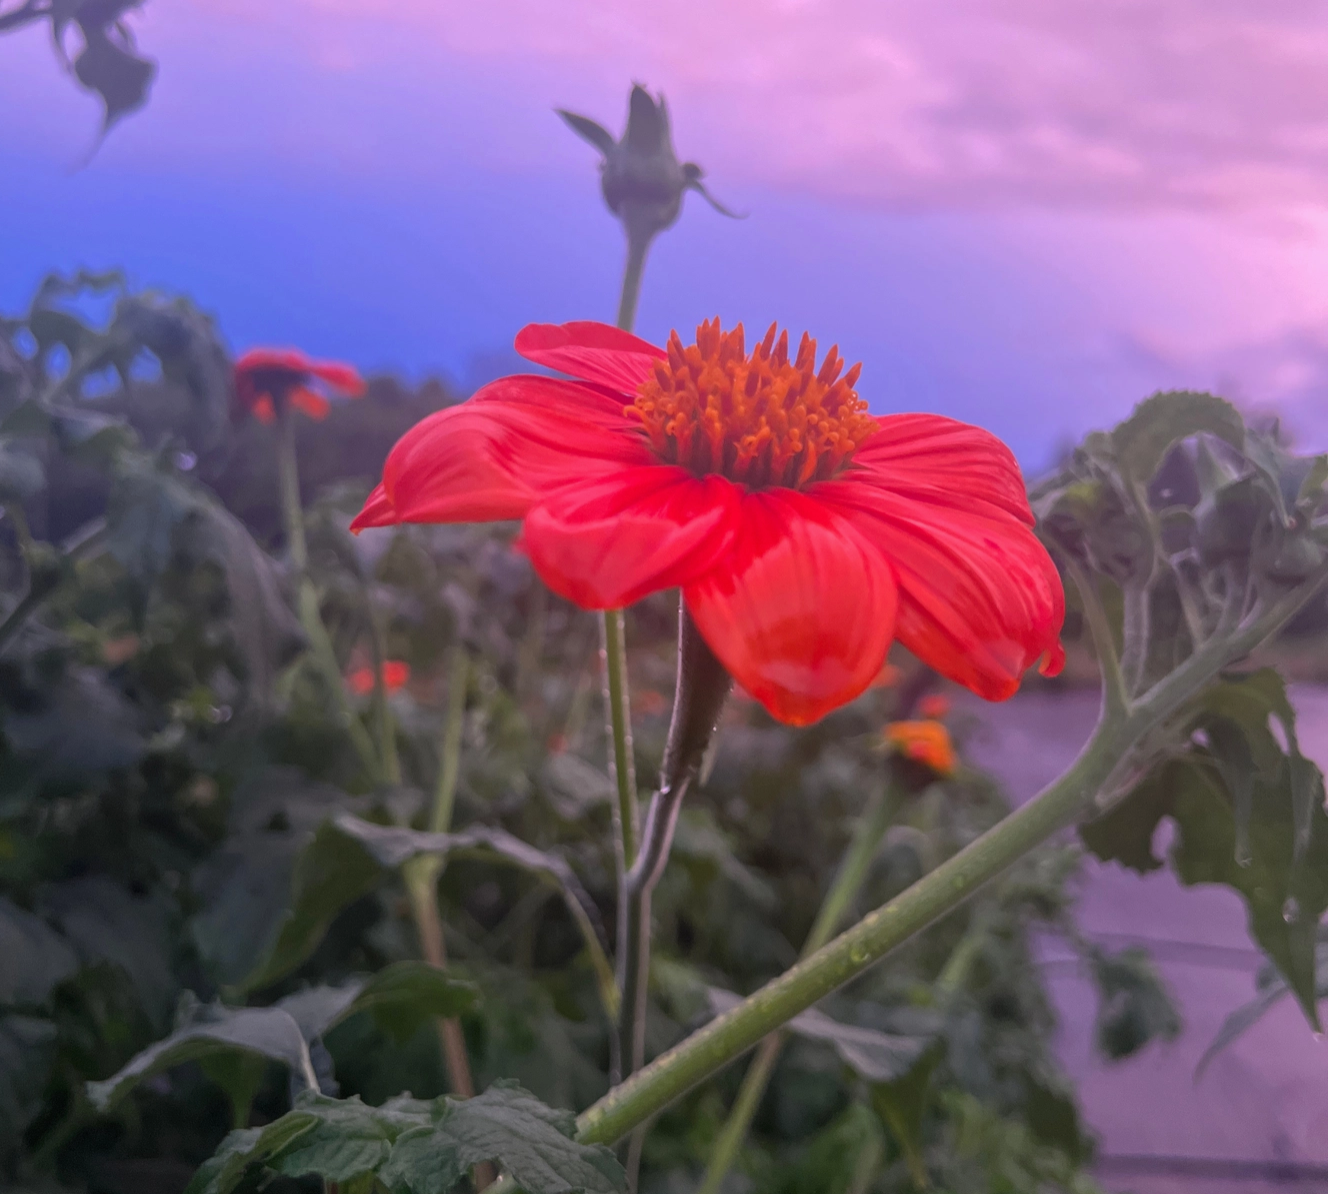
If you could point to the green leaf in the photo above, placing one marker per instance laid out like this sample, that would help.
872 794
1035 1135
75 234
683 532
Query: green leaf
1134 1007
36 957
1284 889
1141 442
510 1127
27 1055
901 1103
240 1073
1313 484
271 892
207 1031
875 1056
243 1150
400 997
843 1157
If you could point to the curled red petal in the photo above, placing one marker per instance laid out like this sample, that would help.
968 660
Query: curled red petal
980 599
594 352
377 511
339 377
490 458
801 612
309 402
608 542
943 462
290 360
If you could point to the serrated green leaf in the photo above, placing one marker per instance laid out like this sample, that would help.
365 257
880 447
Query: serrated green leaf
265 1031
1141 442
242 1150
400 996
1284 891
509 1127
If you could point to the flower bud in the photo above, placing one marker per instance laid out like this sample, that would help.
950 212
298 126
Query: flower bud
641 177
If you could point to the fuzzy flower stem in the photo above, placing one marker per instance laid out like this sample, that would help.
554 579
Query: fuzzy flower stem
293 515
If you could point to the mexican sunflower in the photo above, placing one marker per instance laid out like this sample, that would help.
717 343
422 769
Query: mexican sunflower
268 378
804 532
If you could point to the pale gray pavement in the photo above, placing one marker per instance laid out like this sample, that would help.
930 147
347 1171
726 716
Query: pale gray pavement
1256 1121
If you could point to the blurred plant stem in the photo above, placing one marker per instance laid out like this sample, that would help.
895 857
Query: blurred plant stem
293 517
859 854
421 875
638 244
383 715
87 540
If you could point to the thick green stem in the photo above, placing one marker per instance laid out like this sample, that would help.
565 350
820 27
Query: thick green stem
849 880
1110 671
311 619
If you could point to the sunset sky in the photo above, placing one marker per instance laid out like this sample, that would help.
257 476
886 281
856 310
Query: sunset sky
1027 213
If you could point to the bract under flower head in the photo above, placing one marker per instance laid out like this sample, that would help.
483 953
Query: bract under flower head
804 533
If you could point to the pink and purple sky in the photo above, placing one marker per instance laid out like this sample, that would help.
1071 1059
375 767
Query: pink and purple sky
1024 213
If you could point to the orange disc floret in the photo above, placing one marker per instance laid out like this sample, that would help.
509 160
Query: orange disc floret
761 420
925 742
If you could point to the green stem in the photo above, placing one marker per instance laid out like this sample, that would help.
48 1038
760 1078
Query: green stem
619 728
325 656
83 542
849 880
383 716
450 750
1110 671
631 286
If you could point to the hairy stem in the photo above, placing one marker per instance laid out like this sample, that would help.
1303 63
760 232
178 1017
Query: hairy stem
325 657
1110 671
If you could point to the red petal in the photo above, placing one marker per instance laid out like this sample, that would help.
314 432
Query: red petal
377 511
396 672
342 379
801 612
594 352
606 543
312 404
943 462
288 360
491 458
263 410
980 599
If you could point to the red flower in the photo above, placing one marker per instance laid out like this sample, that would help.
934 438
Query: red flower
267 377
804 532
395 674
925 742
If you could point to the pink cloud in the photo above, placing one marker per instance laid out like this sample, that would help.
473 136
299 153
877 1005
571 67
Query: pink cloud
1198 104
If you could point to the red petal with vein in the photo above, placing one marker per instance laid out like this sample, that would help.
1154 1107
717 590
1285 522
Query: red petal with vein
594 352
310 403
377 511
342 379
943 462
492 457
980 599
801 613
606 543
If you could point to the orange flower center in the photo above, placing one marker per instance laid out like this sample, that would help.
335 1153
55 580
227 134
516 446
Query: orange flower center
760 420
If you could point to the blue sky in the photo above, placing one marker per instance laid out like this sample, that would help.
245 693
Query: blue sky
1018 217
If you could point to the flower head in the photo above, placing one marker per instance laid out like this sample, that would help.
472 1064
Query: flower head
640 176
268 378
804 533
925 742
396 673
